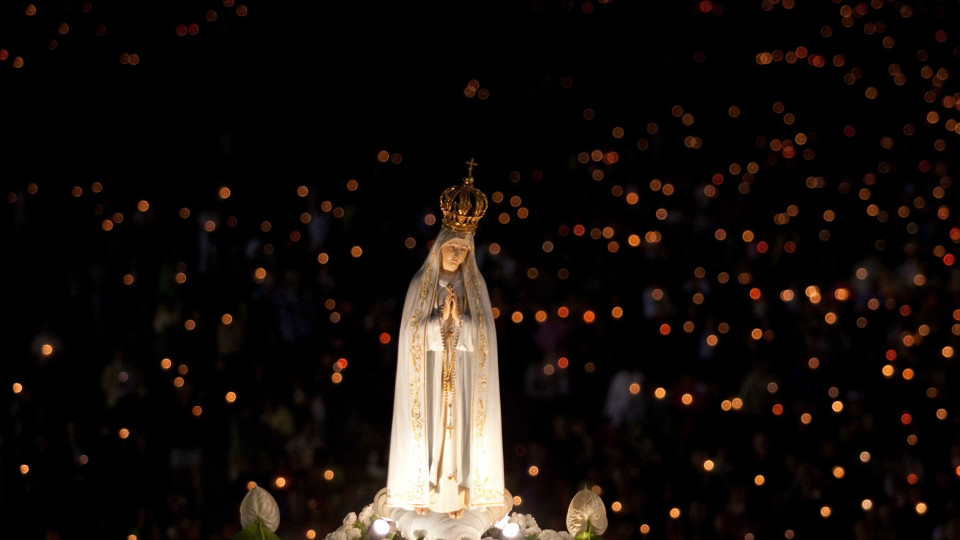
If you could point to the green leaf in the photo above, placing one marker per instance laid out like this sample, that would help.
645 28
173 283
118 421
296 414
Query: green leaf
255 531
584 535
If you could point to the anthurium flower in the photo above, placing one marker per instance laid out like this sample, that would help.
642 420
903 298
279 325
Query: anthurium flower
586 514
258 503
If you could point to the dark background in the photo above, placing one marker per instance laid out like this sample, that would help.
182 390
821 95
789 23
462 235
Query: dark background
270 96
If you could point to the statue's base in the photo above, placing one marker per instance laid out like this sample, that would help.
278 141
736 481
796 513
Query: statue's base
440 526
436 526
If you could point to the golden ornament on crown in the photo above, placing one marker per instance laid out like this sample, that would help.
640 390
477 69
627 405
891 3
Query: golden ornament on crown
463 205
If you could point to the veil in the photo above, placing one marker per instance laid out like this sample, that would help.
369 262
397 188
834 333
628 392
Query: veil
408 469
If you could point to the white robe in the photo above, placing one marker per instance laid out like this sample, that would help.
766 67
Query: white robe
426 468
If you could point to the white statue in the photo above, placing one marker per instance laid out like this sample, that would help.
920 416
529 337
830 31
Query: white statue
446 450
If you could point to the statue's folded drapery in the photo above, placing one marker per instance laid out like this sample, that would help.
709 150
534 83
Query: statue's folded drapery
446 450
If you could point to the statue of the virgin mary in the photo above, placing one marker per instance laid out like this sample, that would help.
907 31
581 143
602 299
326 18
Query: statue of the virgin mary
446 451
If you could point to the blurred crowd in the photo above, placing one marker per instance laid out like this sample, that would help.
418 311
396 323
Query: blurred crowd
721 243
163 363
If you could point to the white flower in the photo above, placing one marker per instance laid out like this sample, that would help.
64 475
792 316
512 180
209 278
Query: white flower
337 535
353 533
349 520
586 506
259 503
529 526
366 514
526 522
549 534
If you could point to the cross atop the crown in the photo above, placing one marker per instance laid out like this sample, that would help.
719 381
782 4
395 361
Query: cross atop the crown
470 165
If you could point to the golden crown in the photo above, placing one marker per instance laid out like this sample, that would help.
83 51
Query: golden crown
463 205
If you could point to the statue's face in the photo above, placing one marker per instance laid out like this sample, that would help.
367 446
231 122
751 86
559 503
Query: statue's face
453 253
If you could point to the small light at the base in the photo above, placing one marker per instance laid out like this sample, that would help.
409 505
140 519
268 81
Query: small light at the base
381 526
511 530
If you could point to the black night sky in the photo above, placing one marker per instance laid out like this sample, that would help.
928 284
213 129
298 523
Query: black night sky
721 241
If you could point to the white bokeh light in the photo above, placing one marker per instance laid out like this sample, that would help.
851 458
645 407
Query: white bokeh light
381 526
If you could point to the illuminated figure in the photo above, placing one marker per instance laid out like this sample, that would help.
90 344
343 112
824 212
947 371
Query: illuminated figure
446 452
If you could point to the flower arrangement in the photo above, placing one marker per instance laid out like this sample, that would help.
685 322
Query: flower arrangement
586 520
365 527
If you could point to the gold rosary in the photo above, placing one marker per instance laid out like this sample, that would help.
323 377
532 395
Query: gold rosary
451 336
